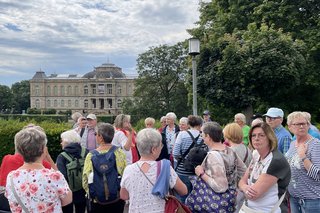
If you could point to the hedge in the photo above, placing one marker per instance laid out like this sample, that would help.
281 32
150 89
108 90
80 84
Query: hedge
8 129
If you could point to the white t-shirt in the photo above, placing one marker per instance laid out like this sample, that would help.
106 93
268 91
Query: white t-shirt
139 188
120 140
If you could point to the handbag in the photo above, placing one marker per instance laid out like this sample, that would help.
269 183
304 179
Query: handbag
173 204
204 199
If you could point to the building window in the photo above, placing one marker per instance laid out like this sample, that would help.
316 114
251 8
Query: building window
76 103
55 103
48 90
109 102
48 103
119 89
62 91
119 103
76 90
69 103
85 91
86 104
37 90
37 103
101 88
109 88
94 88
62 103
130 89
69 90
55 90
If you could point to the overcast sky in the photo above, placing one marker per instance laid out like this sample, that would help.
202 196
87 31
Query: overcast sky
73 36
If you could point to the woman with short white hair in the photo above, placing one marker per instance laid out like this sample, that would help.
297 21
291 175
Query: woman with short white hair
70 142
139 178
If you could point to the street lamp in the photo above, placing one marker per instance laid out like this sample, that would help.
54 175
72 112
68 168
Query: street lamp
194 50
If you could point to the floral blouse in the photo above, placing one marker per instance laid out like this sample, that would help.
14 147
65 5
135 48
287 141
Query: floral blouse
40 190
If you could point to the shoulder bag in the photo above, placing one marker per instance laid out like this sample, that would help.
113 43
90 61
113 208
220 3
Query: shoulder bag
173 204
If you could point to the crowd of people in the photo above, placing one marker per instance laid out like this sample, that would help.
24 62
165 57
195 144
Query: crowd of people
262 167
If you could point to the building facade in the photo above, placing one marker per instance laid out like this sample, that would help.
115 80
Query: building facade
101 91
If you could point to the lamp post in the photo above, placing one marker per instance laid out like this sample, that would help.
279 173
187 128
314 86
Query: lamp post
194 50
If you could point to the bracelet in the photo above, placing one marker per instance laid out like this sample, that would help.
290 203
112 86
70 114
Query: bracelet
303 159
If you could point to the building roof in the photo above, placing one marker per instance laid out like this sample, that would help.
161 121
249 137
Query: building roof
106 70
39 75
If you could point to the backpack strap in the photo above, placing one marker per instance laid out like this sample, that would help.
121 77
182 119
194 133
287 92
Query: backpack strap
83 152
194 141
66 156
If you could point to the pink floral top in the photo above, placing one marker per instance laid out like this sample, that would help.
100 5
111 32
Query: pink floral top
39 190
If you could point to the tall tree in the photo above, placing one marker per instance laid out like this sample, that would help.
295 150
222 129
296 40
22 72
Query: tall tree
5 99
21 96
160 86
244 60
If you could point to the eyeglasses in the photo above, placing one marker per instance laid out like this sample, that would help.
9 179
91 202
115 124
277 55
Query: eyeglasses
258 135
300 124
271 118
95 134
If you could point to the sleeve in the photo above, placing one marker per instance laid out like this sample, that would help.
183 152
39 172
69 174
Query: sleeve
120 161
120 139
215 169
125 180
173 178
61 164
314 171
286 144
87 169
177 147
279 166
60 184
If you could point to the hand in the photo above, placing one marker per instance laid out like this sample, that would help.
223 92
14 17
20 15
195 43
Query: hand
302 150
199 170
250 193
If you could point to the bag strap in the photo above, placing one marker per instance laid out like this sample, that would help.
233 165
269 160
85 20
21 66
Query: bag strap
66 156
145 175
194 141
278 203
17 197
246 157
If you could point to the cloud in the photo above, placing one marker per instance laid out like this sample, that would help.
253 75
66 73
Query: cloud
64 35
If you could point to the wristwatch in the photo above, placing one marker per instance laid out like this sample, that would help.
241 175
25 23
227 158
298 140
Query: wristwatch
302 159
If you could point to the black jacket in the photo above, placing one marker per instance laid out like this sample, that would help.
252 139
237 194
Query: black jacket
164 151
73 149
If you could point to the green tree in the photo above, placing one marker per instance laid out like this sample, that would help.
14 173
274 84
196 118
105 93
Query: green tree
254 66
5 99
257 54
21 96
160 86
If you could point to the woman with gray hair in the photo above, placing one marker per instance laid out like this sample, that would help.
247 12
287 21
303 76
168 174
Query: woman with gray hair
168 136
138 179
70 142
304 159
32 187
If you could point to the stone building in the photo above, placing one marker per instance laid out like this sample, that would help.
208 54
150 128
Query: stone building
101 91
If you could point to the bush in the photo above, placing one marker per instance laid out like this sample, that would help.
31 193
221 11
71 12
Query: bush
8 129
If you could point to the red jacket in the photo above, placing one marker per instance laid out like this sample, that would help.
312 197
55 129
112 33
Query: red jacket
13 162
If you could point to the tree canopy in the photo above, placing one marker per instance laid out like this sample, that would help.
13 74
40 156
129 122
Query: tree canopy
160 85
258 54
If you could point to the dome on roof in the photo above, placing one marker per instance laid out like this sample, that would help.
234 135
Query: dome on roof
107 70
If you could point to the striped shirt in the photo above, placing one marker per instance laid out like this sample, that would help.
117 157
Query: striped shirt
181 145
305 184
